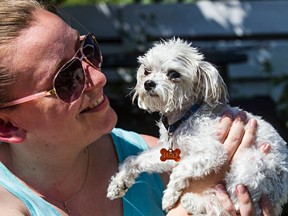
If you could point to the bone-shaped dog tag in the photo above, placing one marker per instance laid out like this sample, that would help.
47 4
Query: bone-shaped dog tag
170 154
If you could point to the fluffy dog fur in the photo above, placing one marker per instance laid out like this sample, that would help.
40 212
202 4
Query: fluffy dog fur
171 78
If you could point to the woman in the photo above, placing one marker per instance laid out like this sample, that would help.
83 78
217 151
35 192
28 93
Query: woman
58 151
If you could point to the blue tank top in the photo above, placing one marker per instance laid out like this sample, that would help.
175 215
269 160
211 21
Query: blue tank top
142 199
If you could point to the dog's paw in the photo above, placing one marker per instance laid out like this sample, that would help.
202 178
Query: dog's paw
205 204
169 199
118 187
116 191
193 204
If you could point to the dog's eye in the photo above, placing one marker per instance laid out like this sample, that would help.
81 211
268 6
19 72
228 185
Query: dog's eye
173 74
146 72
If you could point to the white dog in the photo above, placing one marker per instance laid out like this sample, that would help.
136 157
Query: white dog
174 80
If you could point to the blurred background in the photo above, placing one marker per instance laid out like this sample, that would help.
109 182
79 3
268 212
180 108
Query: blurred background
246 40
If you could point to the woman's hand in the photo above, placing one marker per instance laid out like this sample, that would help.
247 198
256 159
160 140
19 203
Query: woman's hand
245 202
235 134
236 137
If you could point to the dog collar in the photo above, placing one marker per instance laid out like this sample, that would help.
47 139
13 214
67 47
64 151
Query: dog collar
173 127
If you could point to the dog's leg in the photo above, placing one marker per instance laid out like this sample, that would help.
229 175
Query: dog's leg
194 166
148 161
207 203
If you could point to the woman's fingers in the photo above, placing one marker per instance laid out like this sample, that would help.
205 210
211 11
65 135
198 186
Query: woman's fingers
245 202
235 134
224 199
250 133
265 148
248 137
246 207
223 127
266 206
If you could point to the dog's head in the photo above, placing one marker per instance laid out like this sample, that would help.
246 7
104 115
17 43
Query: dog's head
173 75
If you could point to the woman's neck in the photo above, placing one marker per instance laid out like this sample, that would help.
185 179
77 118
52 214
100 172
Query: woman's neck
62 173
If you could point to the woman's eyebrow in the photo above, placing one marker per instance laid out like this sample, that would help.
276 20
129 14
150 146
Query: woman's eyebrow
77 41
60 63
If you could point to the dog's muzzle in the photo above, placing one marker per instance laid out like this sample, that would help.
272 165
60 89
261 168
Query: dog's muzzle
149 85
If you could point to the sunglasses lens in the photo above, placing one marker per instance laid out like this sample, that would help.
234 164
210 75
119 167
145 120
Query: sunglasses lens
92 51
70 81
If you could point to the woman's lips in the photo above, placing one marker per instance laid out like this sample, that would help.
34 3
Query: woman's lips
96 105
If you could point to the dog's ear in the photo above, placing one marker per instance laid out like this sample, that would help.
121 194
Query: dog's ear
211 85
136 89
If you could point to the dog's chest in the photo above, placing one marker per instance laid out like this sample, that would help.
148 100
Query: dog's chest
190 132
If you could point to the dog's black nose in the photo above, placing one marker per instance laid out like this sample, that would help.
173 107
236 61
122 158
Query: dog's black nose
149 85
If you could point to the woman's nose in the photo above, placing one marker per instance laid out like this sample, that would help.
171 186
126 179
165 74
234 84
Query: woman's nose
94 77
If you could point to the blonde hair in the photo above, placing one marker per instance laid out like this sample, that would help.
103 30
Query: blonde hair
15 16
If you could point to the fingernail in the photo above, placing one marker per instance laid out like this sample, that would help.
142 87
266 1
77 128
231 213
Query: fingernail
228 114
241 189
220 188
253 123
242 115
265 148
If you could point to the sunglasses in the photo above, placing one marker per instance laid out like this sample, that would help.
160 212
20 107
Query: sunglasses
69 82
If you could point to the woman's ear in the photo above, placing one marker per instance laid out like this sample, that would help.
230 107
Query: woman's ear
10 133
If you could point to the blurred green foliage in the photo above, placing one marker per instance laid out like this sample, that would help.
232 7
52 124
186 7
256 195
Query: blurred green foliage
278 81
52 2
87 2
283 99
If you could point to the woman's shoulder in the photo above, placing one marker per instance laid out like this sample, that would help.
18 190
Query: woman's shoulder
142 141
150 140
128 143
134 137
11 205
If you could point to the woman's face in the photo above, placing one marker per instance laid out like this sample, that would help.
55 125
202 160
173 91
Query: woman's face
39 53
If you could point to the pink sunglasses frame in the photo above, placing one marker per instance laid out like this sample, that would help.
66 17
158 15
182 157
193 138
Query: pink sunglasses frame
29 98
